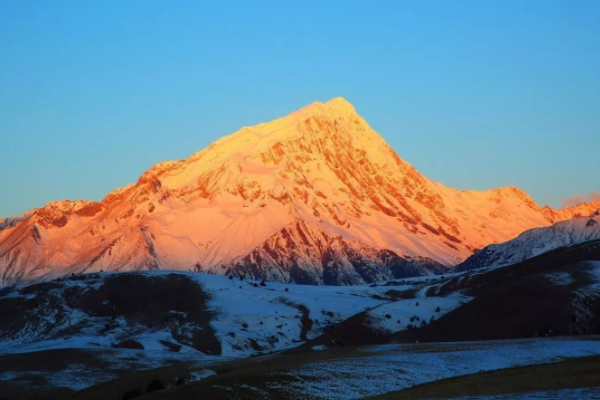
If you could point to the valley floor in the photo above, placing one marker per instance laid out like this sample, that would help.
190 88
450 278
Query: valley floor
532 368
165 335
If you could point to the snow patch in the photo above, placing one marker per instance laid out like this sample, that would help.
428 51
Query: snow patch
417 364
560 278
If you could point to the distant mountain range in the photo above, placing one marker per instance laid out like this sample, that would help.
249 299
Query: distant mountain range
535 242
316 197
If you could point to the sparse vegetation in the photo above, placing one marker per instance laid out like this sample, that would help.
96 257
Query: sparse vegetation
401 294
132 394
415 318
155 385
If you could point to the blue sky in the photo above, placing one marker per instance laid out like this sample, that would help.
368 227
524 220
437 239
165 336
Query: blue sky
476 94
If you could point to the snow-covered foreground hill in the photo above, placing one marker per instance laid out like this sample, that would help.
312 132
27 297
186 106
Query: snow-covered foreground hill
371 371
208 315
342 373
204 335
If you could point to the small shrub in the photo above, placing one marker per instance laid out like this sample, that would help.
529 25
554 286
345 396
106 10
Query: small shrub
155 385
423 323
132 394
230 277
262 283
245 325
388 316
180 382
287 289
438 309
417 304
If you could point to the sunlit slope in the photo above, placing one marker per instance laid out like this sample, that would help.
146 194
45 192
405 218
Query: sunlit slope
314 197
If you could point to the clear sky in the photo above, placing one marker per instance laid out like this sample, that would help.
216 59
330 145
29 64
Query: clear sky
475 94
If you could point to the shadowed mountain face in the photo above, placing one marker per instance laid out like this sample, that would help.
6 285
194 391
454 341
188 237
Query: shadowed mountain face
313 197
111 309
556 293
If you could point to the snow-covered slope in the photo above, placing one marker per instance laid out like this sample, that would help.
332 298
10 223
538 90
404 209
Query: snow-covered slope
194 313
313 197
535 242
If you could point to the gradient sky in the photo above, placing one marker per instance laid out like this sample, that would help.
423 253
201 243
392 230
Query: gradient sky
475 94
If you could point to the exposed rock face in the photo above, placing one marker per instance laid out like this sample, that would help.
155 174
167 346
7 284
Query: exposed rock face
306 255
313 197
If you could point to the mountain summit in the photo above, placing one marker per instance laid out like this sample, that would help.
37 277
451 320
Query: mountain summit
314 197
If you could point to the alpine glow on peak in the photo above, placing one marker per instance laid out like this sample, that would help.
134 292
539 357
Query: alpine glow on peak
313 197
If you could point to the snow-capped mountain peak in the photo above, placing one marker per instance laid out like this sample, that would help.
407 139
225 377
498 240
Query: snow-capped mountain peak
316 196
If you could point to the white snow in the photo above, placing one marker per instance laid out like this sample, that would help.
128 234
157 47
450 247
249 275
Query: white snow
395 316
239 302
323 165
394 367
202 374
560 278
594 272
537 241
249 319
592 289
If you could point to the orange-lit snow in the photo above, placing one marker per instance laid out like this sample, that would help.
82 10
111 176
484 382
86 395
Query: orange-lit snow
323 165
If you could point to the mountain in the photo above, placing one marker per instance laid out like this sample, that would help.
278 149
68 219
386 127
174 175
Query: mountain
122 331
534 242
187 313
314 197
553 294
